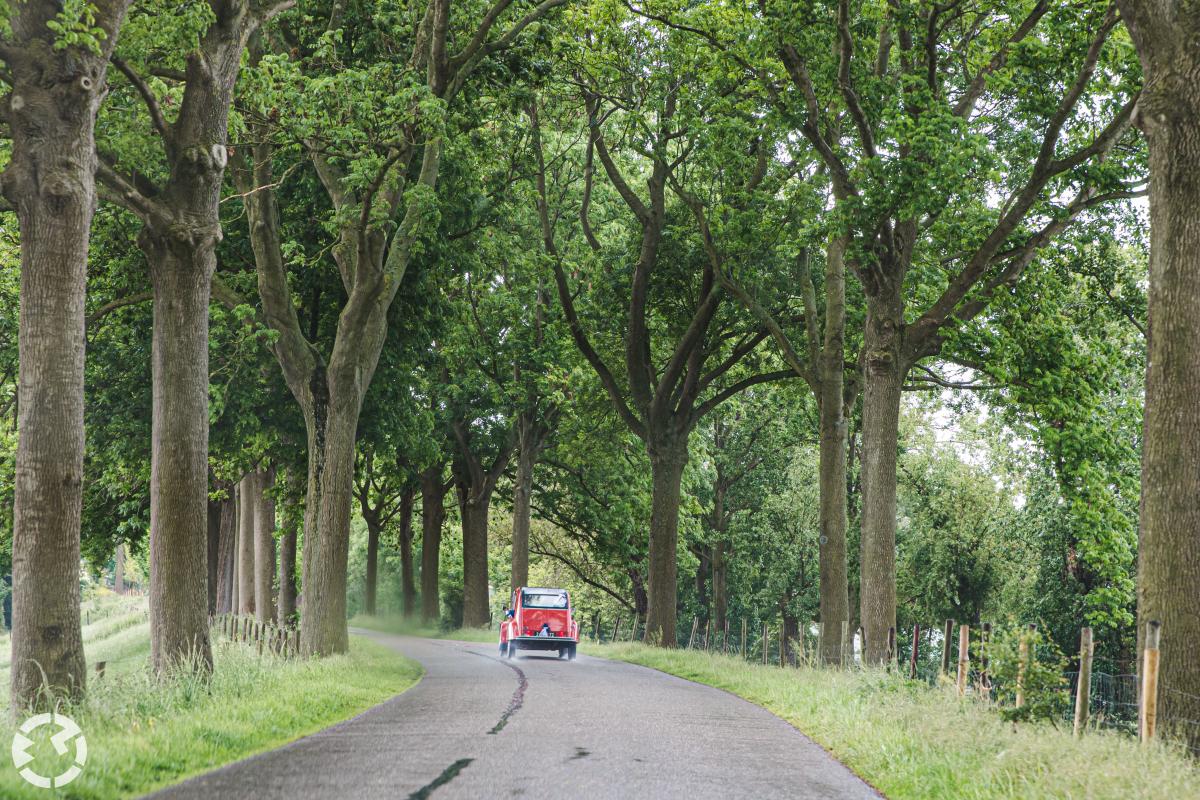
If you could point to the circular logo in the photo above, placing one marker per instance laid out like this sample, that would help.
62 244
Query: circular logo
68 732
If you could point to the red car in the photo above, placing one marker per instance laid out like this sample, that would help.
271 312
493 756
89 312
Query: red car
540 619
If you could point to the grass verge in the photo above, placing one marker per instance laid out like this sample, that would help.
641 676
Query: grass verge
913 741
144 734
407 627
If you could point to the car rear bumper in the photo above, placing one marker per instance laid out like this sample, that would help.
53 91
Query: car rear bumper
542 642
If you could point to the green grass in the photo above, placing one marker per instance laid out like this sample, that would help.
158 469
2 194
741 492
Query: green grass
910 740
144 734
408 627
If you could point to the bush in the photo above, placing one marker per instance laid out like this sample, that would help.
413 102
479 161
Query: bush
1040 677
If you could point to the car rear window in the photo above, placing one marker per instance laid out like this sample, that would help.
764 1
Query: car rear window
544 599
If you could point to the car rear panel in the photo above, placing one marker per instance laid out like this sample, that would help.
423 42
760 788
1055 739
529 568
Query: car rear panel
532 619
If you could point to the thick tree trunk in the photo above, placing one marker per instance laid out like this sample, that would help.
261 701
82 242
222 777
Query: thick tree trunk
119 569
264 547
474 512
247 504
408 591
666 467
1169 543
331 486
433 514
287 571
528 443
882 385
50 183
226 545
373 527
181 275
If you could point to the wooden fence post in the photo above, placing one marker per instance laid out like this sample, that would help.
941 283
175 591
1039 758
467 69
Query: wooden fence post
782 644
708 632
766 642
1083 687
744 653
692 637
1023 664
1149 715
616 627
596 627
912 656
948 637
725 638
892 649
964 657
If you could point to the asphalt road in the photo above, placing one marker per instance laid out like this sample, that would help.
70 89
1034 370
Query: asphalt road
477 726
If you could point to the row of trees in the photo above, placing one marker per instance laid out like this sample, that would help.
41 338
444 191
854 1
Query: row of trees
545 251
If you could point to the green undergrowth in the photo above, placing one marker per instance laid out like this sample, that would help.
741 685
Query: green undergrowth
910 740
144 733
407 627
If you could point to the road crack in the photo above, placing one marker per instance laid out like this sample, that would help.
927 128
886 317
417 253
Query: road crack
518 696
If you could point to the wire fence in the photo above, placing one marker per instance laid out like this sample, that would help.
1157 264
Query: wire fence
1113 699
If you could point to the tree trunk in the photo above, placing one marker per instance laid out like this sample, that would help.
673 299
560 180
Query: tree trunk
720 570
1169 542
287 570
226 548
641 598
831 548
119 569
50 183
327 516
247 502
235 580
264 547
372 561
703 572
882 382
433 514
215 508
181 274
791 637
474 511
666 467
528 443
408 591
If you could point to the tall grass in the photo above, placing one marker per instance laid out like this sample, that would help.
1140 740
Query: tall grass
144 732
910 740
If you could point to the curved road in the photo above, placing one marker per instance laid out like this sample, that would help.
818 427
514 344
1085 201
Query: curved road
477 726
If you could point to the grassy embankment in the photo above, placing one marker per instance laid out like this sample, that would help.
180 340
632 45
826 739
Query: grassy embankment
913 741
143 734
407 627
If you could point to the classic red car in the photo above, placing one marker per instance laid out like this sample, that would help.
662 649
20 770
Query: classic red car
540 619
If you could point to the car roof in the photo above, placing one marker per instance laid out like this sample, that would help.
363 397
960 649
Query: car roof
542 590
